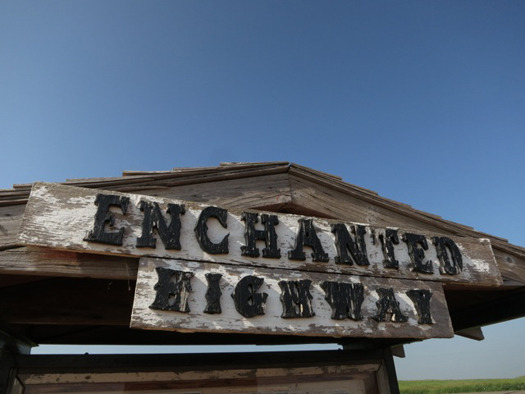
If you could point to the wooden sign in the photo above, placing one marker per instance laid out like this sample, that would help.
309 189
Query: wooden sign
192 296
96 221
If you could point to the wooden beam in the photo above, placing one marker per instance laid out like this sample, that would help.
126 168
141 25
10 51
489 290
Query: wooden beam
14 342
66 301
472 333
123 335
52 262
398 351
262 191
357 371
494 308
10 220
511 265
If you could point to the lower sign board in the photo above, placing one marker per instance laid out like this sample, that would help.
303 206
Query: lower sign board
207 297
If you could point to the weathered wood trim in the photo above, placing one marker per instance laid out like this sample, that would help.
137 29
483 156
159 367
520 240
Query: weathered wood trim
498 308
511 266
386 375
174 377
10 221
475 333
359 371
263 191
51 262
269 319
374 200
67 301
183 178
234 369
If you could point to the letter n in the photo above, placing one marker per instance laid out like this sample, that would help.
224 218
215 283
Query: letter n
307 236
153 218
344 243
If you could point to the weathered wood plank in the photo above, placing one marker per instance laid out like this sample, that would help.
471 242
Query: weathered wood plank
185 177
511 266
63 217
261 191
358 206
10 220
490 308
51 262
306 189
247 308
294 372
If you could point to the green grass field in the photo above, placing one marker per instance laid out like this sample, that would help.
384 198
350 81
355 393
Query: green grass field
461 386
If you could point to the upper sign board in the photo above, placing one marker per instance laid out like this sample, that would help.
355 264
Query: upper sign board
108 222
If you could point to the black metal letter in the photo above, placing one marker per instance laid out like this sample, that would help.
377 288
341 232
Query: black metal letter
388 240
344 243
387 304
307 237
213 294
444 244
104 216
247 301
153 218
268 235
296 298
417 244
173 290
345 299
201 230
421 300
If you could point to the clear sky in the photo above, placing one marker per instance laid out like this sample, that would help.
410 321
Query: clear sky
421 101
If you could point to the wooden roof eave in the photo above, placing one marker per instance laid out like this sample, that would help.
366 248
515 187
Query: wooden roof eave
510 258
156 179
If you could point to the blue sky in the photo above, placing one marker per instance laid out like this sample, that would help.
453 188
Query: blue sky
420 101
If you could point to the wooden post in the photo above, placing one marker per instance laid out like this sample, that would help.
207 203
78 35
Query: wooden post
7 362
10 347
390 369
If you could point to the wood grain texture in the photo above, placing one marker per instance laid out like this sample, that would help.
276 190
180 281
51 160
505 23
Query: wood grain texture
302 177
61 216
511 266
271 322
261 191
10 221
280 372
358 206
51 262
